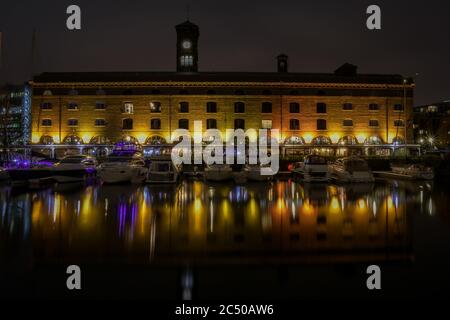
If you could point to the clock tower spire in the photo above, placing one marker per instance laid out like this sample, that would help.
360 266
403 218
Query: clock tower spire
187 47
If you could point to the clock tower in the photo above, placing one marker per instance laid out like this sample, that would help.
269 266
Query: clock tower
187 47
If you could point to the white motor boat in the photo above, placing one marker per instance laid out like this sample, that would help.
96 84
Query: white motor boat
218 172
123 166
414 171
73 168
162 170
352 169
314 168
253 172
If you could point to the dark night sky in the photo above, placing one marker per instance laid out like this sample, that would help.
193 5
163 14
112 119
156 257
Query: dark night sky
235 35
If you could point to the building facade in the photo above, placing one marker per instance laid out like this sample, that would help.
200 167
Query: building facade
342 108
432 124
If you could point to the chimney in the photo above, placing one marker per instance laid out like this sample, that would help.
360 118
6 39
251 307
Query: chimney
282 61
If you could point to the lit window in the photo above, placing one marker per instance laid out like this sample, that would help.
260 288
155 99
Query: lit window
266 124
128 108
155 107
186 61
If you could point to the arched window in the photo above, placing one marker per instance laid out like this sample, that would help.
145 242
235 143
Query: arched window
155 140
321 141
72 139
373 140
100 140
127 124
46 140
295 140
348 140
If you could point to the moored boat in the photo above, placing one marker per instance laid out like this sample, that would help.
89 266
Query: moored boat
352 169
314 168
73 168
123 166
414 171
218 172
162 170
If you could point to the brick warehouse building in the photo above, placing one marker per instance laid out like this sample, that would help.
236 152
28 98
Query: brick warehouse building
342 109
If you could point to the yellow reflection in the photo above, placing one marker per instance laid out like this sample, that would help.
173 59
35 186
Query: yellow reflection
334 205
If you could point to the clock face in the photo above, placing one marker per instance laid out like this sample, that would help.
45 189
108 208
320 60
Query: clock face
186 44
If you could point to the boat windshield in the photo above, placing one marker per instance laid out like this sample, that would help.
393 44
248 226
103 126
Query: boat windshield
161 166
356 165
315 160
72 160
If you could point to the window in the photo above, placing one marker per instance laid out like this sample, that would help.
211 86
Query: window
239 107
347 123
398 107
46 122
100 122
46 106
155 107
127 124
155 124
72 106
211 107
321 124
100 105
374 107
128 108
211 124
183 107
266 107
183 124
373 123
399 123
321 108
72 122
294 124
266 124
294 107
347 106
239 124
186 61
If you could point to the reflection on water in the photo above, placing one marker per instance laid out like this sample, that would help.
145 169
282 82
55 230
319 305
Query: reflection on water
197 222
